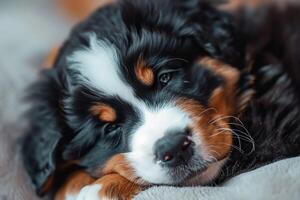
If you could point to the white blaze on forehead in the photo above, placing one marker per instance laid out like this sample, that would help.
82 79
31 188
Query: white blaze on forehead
98 66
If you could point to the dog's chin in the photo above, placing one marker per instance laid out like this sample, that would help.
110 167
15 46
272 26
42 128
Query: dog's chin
195 173
204 175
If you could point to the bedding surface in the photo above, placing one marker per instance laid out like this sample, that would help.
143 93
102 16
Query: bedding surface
279 180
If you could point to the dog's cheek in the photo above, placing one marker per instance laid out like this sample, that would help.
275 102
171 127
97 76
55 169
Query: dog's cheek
215 136
218 138
210 129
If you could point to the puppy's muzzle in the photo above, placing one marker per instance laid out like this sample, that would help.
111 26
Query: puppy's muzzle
174 149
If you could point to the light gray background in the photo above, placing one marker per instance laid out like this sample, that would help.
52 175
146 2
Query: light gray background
28 30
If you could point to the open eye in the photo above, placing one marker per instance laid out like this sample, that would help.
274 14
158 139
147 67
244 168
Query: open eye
111 128
165 78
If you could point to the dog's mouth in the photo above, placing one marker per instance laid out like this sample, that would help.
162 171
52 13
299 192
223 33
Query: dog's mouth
204 175
202 168
198 175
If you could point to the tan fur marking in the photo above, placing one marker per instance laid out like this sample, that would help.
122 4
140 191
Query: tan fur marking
224 101
51 57
117 181
74 184
115 186
223 98
47 185
235 5
119 164
104 112
217 143
230 73
144 73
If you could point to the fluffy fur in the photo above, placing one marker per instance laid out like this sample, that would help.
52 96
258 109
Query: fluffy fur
202 90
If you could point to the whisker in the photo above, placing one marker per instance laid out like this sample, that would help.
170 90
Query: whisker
226 117
234 167
245 137
240 125
233 146
233 131
213 151
206 110
226 132
212 158
218 119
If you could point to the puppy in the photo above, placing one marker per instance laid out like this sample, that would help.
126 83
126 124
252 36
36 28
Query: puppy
149 93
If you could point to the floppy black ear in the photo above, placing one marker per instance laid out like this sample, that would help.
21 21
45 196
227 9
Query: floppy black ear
43 137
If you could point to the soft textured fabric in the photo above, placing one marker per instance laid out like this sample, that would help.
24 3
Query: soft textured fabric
280 180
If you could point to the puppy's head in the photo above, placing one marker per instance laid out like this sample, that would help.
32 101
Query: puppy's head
154 82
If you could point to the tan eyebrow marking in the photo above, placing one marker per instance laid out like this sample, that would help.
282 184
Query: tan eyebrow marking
104 112
144 73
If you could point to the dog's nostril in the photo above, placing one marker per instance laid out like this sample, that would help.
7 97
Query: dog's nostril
185 144
167 158
188 132
174 149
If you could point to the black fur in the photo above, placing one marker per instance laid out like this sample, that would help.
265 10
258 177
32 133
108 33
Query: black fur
61 126
62 129
44 135
272 118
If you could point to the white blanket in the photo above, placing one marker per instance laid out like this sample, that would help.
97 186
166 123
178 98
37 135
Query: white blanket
280 180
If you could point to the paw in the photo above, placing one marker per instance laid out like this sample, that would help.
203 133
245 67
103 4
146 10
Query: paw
90 192
109 187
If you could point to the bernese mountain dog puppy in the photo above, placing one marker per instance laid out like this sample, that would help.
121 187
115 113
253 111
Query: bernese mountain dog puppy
156 92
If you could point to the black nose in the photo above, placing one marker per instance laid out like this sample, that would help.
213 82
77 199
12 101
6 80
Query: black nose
174 149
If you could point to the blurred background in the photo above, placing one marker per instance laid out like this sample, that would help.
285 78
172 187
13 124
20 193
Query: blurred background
29 30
